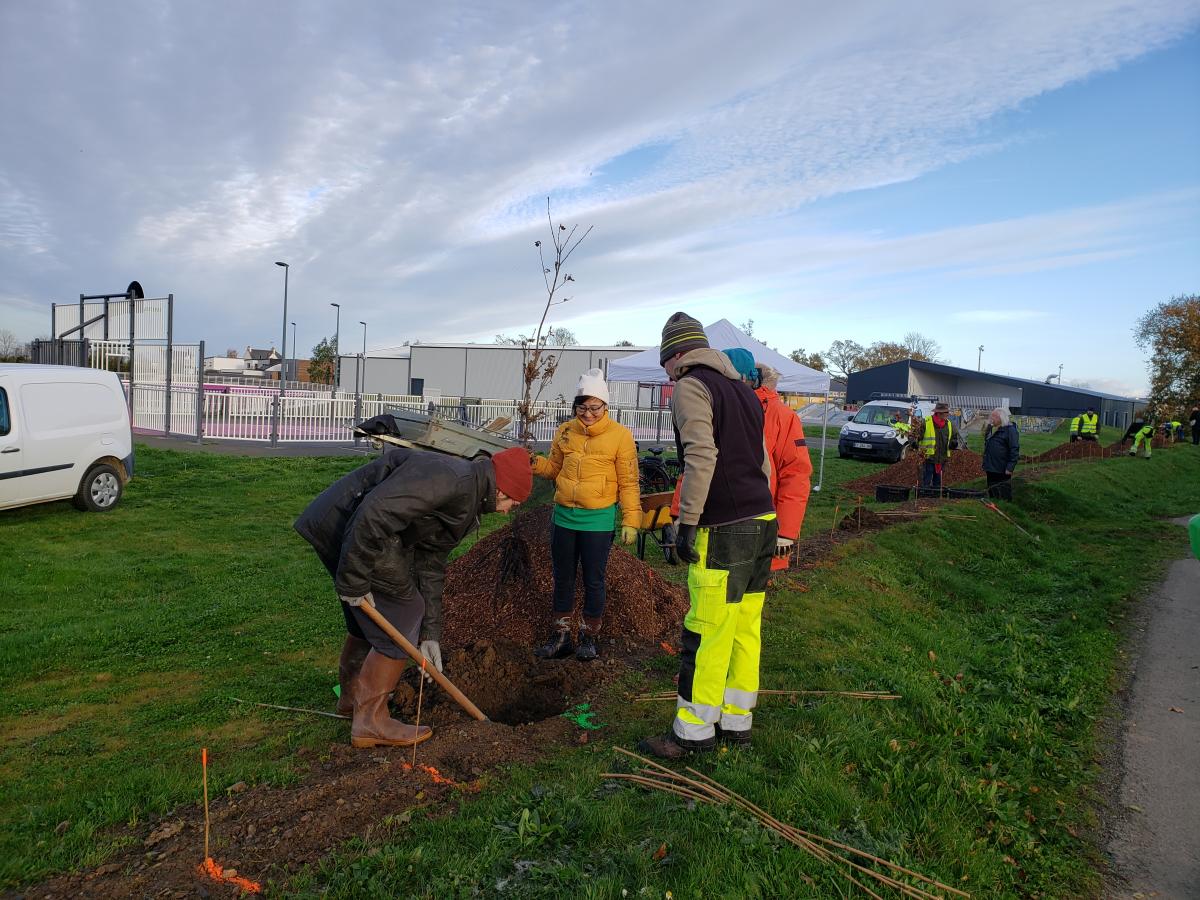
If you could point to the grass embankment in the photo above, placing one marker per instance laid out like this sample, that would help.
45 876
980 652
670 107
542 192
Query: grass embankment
126 634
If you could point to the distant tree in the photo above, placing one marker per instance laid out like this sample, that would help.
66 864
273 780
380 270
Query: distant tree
921 347
812 360
510 341
231 353
881 353
623 344
1171 334
323 364
11 350
843 357
747 327
561 337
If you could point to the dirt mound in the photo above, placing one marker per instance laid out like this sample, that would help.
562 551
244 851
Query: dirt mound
1075 450
501 589
964 465
862 519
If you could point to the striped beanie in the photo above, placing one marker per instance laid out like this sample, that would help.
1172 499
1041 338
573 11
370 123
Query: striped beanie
681 334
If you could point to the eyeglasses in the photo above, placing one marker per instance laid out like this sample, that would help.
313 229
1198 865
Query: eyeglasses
591 409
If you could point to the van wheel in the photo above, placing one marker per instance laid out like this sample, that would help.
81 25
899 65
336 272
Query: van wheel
100 489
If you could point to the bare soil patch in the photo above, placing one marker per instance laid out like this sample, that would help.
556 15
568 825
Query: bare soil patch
964 465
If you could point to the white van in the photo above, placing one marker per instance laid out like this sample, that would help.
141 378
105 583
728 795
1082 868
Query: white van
64 434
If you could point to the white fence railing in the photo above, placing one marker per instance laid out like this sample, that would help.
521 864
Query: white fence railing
237 412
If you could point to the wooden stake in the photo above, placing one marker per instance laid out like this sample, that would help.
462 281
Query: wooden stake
833 527
315 712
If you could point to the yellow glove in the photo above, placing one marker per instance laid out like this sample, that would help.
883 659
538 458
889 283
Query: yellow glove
628 534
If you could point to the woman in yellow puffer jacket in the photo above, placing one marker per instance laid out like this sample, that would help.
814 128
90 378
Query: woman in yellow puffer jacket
593 462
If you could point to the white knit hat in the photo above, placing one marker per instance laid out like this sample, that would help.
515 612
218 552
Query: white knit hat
592 384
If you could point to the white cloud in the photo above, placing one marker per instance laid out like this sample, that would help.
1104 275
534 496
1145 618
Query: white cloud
401 162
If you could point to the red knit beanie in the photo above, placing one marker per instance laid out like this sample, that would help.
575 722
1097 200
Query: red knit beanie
514 475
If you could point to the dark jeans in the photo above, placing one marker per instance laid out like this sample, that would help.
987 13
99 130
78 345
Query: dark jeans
1196 434
588 550
999 485
930 477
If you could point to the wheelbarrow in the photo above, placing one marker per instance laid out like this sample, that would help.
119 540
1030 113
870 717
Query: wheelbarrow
656 525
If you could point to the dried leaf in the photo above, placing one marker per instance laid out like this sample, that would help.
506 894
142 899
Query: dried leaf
932 656
660 853
167 831
1176 709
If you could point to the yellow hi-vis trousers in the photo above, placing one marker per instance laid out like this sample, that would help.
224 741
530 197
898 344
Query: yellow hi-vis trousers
1146 434
718 665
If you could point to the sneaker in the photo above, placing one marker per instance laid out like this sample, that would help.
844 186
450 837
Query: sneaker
671 746
587 647
559 646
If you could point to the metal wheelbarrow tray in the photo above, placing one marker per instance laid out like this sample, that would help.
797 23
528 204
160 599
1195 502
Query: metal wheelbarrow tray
409 428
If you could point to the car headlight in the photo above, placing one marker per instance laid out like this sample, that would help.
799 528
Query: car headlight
890 433
845 428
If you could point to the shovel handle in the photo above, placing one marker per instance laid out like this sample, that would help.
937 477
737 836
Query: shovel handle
406 645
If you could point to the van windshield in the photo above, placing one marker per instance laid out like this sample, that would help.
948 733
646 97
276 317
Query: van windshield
879 415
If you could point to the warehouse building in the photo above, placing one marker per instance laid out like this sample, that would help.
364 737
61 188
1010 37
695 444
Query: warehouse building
486 371
1025 397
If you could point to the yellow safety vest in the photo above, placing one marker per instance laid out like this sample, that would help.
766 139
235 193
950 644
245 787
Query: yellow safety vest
1088 423
1074 424
929 437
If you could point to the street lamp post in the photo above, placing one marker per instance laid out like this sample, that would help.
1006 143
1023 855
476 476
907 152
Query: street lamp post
282 357
364 357
336 373
979 361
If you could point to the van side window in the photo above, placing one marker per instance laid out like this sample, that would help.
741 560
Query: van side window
4 421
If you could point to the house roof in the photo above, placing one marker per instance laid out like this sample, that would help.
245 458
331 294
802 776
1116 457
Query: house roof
1009 379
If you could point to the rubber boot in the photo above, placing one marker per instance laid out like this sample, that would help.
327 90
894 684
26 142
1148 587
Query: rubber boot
588 633
372 726
354 651
559 645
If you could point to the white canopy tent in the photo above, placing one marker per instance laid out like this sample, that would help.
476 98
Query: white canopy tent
644 368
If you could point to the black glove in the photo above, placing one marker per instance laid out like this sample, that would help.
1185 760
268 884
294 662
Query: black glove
685 543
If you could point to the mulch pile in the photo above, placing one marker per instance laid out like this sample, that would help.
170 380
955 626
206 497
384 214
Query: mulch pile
502 588
964 465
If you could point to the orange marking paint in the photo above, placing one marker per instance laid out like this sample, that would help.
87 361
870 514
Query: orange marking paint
667 647
213 870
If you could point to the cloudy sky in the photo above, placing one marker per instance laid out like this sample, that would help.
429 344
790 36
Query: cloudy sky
1021 175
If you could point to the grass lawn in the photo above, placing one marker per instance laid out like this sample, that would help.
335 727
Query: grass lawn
127 633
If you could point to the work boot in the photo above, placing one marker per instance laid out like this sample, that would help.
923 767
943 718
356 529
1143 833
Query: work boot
587 640
372 726
559 645
735 738
354 651
671 746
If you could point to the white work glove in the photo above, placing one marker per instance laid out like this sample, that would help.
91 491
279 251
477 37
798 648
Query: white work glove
359 601
783 546
432 651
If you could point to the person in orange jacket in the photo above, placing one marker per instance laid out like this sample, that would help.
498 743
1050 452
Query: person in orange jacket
791 467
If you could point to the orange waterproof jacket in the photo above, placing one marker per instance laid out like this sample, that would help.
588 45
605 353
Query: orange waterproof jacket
791 468
593 467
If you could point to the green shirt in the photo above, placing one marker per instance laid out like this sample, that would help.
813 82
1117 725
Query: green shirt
586 519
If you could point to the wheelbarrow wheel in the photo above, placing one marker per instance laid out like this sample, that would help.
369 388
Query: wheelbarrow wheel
668 537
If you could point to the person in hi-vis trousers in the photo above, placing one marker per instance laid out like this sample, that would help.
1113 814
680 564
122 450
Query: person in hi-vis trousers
726 532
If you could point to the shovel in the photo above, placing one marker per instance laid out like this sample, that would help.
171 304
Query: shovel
406 645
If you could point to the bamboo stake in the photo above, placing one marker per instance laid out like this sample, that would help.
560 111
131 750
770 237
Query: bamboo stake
650 782
204 767
833 527
315 712
420 697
